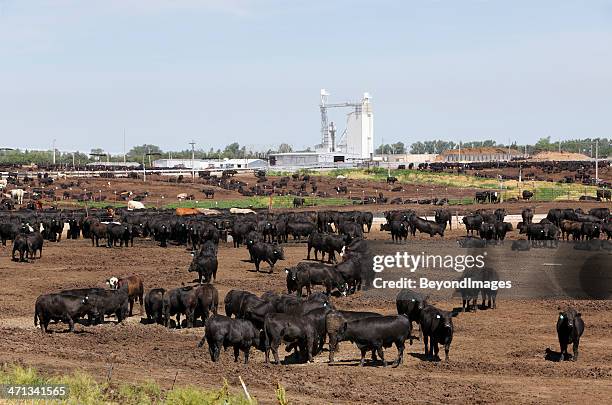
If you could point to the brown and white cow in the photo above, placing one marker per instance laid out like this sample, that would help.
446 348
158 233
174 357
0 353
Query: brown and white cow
134 286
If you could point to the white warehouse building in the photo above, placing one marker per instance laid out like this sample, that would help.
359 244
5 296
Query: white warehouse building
201 164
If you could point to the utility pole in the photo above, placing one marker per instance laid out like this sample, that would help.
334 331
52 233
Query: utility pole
192 143
54 152
597 161
124 147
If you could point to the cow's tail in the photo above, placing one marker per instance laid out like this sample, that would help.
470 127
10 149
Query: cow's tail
267 337
35 317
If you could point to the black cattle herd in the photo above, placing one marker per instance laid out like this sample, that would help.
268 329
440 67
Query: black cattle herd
263 322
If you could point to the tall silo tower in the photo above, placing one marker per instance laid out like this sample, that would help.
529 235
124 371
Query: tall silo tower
359 137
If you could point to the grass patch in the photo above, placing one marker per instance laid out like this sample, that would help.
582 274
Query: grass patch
543 190
84 389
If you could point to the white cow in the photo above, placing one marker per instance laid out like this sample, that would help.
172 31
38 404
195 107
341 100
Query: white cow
241 211
17 195
3 184
135 205
182 196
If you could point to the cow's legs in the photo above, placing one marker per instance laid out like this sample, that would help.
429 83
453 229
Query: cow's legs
381 354
363 353
400 353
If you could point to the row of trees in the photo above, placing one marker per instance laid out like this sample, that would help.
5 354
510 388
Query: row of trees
235 151
585 146
138 153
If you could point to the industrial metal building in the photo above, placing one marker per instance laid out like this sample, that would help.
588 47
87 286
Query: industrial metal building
485 154
200 164
354 145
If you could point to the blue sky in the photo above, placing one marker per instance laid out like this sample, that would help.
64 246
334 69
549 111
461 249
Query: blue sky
219 71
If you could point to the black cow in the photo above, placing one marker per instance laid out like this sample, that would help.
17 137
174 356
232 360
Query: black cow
501 228
376 333
110 302
325 243
437 327
410 303
233 301
222 331
97 231
399 231
207 300
8 231
205 262
154 305
300 229
289 328
60 307
391 179
35 244
570 327
527 195
74 228
521 245
487 231
601 213
590 230
470 242
442 217
267 252
117 233
423 226
350 230
240 229
180 301
335 324
308 274
298 202
20 244
527 215
472 223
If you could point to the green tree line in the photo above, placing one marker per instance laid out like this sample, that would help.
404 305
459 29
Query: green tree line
151 152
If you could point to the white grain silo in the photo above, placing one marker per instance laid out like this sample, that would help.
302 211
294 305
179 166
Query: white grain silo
358 140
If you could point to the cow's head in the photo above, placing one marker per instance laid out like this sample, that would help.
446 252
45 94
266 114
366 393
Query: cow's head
278 252
568 318
291 273
113 283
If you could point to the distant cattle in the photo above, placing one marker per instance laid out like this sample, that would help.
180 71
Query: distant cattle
604 194
391 180
135 205
17 195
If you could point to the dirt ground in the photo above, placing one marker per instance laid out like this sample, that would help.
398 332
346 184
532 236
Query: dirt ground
496 355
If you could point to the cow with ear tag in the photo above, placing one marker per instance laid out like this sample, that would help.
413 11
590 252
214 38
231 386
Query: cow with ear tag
437 328
570 327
